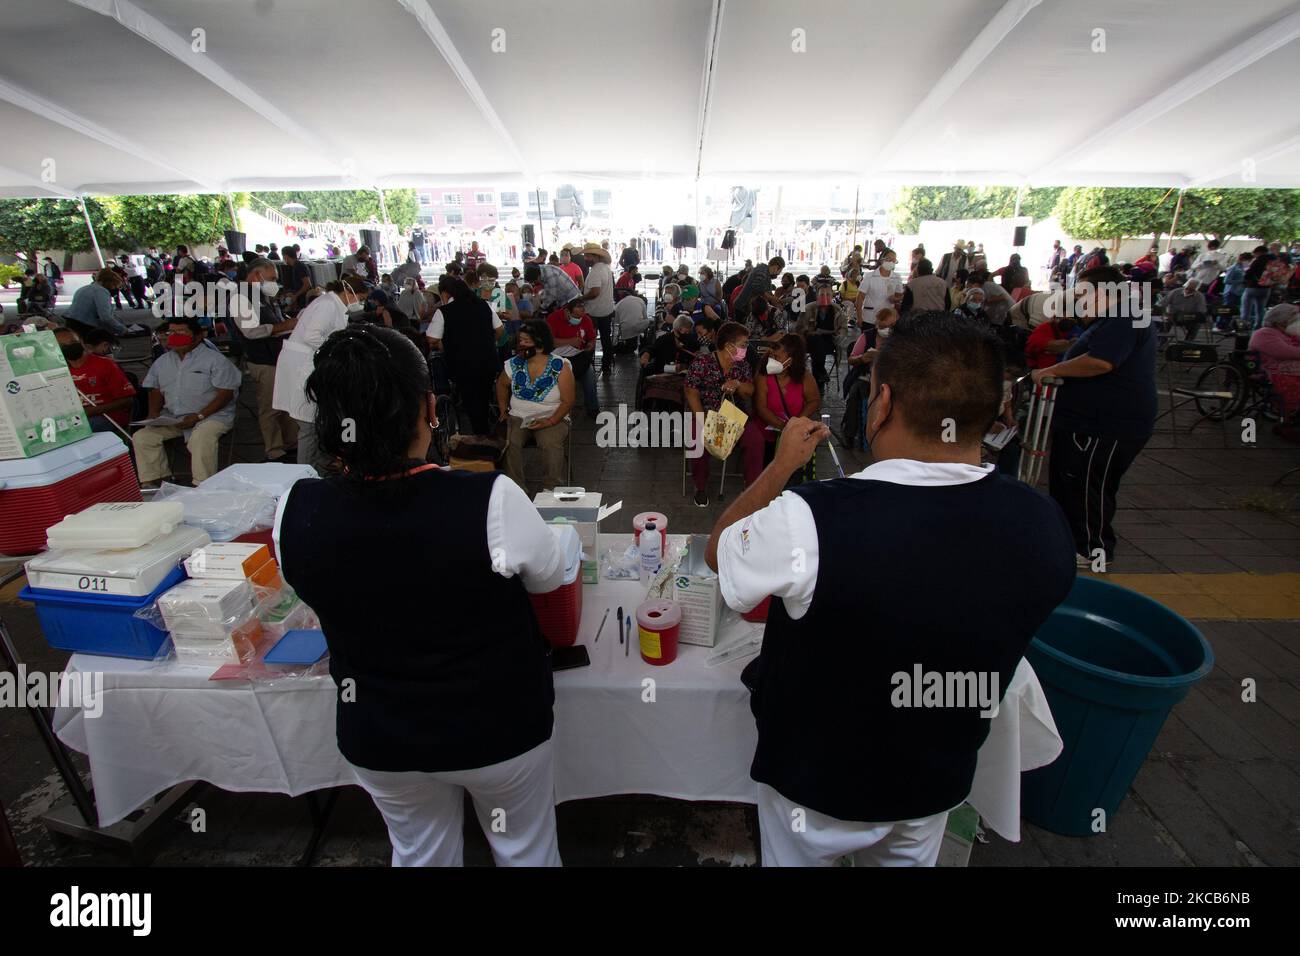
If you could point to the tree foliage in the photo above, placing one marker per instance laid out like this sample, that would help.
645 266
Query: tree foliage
916 203
167 221
137 222
345 205
1264 214
1091 212
29 225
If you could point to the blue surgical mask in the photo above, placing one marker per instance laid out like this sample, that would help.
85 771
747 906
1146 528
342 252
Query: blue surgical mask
575 320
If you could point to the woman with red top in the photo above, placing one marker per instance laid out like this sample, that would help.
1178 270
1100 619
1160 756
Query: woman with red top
716 376
785 390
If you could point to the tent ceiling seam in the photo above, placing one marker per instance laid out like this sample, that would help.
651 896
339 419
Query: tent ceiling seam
441 39
1222 67
154 31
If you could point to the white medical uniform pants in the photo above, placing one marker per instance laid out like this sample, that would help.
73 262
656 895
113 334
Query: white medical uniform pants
791 835
514 801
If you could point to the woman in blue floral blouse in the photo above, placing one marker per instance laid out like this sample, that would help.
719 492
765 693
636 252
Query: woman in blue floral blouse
535 392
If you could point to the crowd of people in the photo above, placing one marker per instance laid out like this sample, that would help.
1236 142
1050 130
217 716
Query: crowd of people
518 352
351 376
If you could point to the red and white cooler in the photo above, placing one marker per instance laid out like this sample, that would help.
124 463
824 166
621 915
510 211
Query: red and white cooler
559 612
37 493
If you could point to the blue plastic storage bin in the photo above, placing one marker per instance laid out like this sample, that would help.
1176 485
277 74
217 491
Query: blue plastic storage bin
1113 664
100 623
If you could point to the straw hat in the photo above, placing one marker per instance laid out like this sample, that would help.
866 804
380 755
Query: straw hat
596 249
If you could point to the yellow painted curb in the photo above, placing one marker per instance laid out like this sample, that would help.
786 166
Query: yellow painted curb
1219 597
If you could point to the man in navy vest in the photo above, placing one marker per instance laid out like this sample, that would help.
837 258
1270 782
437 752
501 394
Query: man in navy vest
925 569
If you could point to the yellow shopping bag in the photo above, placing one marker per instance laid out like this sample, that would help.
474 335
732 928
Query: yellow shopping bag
722 429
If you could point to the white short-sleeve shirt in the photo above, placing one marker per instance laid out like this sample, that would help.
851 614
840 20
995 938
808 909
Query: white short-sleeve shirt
878 291
775 550
520 542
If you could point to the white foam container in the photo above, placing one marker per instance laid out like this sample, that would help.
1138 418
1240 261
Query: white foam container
116 525
135 572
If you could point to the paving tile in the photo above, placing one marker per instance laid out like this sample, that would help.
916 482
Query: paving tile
1187 818
1265 564
1238 546
1224 735
1184 564
1262 722
1266 829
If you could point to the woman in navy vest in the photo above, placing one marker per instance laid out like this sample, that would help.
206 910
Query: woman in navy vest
420 579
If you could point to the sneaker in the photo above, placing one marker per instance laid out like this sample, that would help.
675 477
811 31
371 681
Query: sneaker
701 499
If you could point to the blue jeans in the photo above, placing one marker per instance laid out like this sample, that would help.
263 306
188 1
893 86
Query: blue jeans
1254 303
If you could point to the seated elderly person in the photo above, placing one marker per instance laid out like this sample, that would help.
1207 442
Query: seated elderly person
630 318
535 392
672 351
105 391
972 303
194 386
1278 343
92 305
1186 308
857 383
573 331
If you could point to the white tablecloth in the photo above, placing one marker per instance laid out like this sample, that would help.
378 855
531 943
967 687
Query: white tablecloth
166 723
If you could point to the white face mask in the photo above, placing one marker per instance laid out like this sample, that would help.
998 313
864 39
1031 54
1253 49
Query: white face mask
883 333
355 306
270 287
887 266
1293 329
774 367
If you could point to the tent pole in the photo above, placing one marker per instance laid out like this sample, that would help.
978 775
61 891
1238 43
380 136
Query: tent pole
234 220
541 237
85 211
1019 192
389 246
857 190
1173 228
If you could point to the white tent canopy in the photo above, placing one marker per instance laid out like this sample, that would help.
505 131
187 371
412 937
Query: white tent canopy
145 96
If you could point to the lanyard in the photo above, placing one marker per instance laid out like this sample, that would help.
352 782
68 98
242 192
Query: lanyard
405 474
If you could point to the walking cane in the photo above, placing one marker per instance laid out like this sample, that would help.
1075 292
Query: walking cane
85 401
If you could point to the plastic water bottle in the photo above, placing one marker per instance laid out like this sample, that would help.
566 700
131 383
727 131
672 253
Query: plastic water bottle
652 548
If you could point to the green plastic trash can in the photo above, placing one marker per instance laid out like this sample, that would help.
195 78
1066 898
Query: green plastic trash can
1113 663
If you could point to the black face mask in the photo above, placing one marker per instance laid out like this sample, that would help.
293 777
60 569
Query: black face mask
527 353
73 352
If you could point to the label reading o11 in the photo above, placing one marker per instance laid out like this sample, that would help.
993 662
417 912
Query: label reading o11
92 584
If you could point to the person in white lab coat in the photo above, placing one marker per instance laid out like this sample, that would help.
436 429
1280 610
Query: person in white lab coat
325 315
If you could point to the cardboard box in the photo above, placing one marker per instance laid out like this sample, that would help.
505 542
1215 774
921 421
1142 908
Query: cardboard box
472 464
698 592
579 507
39 407
228 560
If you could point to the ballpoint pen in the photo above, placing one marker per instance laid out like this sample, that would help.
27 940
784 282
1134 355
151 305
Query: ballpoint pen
628 646
602 626
620 625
